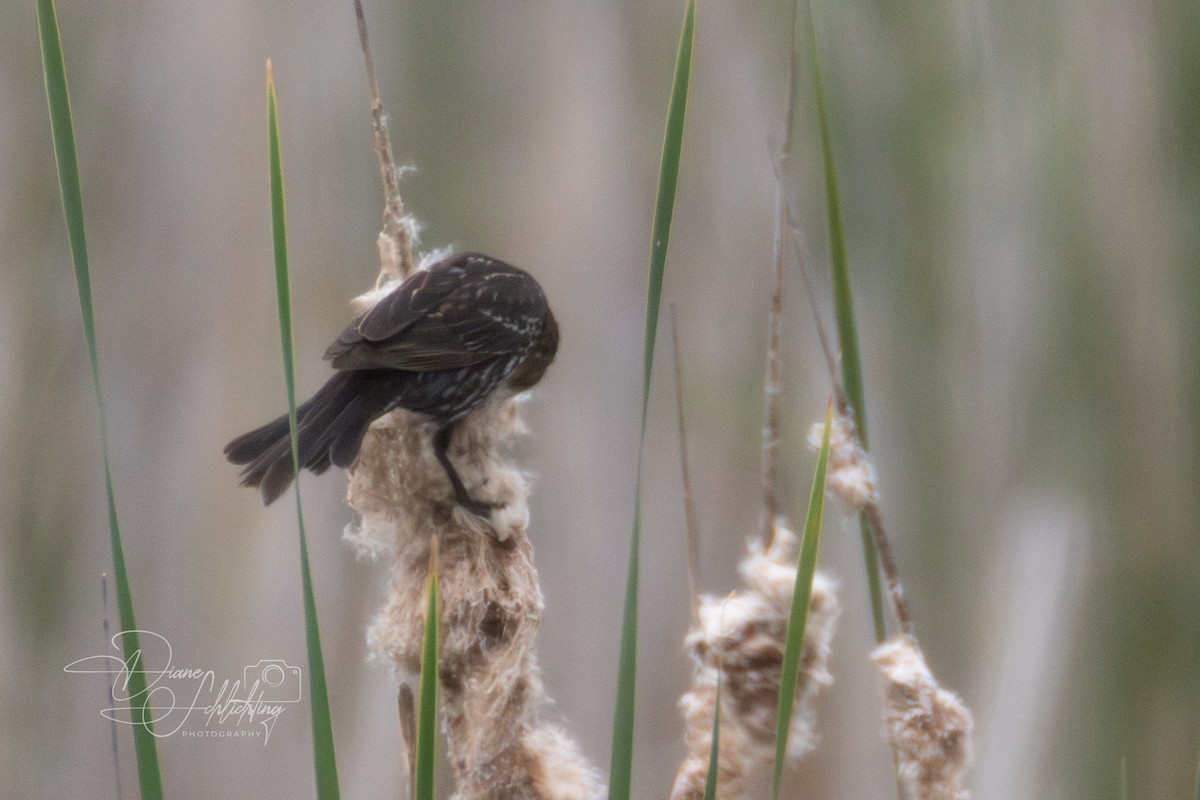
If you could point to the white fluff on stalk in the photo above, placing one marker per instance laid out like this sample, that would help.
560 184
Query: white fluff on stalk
929 727
741 639
850 476
501 741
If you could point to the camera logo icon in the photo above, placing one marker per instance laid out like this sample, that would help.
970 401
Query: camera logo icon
272 681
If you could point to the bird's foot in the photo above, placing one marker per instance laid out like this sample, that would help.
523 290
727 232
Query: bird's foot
482 517
478 507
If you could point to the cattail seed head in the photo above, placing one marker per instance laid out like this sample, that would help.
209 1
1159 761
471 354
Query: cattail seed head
850 476
929 727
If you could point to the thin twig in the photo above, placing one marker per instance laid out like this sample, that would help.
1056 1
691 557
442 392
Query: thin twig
785 227
773 381
689 504
395 240
874 521
773 391
831 361
872 516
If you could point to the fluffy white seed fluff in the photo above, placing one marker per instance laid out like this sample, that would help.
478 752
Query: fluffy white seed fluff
740 640
850 476
929 727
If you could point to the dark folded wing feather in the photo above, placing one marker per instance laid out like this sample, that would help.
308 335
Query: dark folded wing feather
455 314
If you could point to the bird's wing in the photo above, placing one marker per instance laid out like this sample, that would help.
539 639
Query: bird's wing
460 312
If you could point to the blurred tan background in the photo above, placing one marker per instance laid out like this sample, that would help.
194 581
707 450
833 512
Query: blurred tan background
1021 184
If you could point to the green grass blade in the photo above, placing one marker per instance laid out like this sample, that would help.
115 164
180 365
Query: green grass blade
620 771
843 301
668 182
851 363
324 758
63 134
714 752
621 765
427 698
798 616
874 583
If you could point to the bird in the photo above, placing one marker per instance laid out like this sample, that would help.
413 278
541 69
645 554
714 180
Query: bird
439 344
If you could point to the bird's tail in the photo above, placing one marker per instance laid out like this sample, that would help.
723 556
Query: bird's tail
329 428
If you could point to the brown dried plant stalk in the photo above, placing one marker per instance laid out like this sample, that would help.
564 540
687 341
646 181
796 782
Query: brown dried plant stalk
500 743
928 727
399 232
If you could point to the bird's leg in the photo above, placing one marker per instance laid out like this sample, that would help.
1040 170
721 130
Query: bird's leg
441 444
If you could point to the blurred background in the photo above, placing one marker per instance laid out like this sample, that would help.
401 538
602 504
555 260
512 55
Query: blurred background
1021 186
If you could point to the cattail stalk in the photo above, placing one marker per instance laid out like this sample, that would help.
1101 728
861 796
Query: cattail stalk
499 740
399 227
928 727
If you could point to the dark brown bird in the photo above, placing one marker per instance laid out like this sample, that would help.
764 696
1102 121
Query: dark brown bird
439 344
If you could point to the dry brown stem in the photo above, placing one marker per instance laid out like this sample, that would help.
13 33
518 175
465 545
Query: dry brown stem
851 479
773 382
499 741
399 228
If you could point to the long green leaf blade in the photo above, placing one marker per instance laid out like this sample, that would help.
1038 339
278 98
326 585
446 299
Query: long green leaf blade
668 182
324 757
798 616
620 771
621 765
843 302
425 768
63 133
851 362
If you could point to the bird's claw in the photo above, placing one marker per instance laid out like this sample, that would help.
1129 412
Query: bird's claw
478 507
